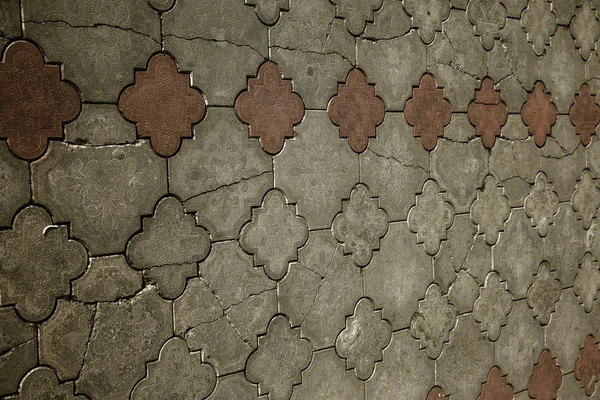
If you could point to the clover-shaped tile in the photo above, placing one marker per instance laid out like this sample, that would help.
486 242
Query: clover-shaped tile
42 383
270 108
356 13
493 306
356 110
490 210
488 113
162 104
539 113
539 22
585 28
585 114
37 262
587 366
427 15
274 234
541 205
268 11
586 199
360 225
488 17
587 282
544 293
547 378
431 217
277 365
362 341
433 321
36 102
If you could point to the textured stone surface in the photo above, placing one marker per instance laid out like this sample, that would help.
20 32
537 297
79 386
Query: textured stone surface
107 279
14 191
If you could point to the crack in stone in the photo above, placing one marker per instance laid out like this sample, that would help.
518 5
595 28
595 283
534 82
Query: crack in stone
329 270
375 40
12 349
565 151
96 25
227 185
205 39
89 340
456 67
328 33
322 53
415 167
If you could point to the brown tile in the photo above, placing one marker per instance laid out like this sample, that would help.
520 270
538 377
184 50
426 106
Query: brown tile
436 393
270 108
162 104
585 114
496 387
428 112
488 113
356 110
587 367
35 101
539 114
546 379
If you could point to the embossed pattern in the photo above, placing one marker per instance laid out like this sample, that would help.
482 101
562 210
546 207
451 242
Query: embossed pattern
299 199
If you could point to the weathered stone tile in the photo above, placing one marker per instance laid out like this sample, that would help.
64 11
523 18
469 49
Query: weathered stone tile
518 253
515 129
427 16
177 373
587 367
162 104
459 129
229 273
541 205
398 275
317 170
14 185
519 345
125 336
270 108
99 124
406 373
490 210
200 55
539 22
463 292
272 247
327 378
30 255
318 252
586 199
487 112
264 367
360 225
390 21
269 12
42 382
297 292
587 282
563 159
539 113
102 191
492 306
593 157
585 26
466 361
432 322
356 14
170 280
565 9
18 349
315 74
252 315
565 244
395 166
488 18
544 293
107 279
431 217
568 329
111 53
234 386
64 337
395 65
547 378
311 26
460 170
220 174
362 341
564 81
197 305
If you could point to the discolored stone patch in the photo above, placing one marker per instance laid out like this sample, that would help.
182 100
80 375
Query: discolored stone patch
356 110
270 108
585 114
36 102
539 114
488 113
162 104
428 112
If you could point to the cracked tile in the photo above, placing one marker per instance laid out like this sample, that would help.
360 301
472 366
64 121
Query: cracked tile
14 190
107 279
18 349
98 125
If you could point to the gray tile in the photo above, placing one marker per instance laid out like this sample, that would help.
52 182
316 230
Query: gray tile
100 124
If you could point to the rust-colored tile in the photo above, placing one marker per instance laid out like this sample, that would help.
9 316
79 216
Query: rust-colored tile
428 112
539 113
356 110
496 387
162 104
436 393
585 114
587 367
488 113
34 101
546 379
270 108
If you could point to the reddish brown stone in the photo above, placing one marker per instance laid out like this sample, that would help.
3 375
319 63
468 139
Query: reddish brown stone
436 393
539 114
162 104
487 113
356 110
270 108
428 112
585 114
546 379
587 367
34 102
496 387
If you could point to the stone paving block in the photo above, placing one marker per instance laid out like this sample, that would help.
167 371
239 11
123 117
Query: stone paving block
99 124
107 279
14 175
18 346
